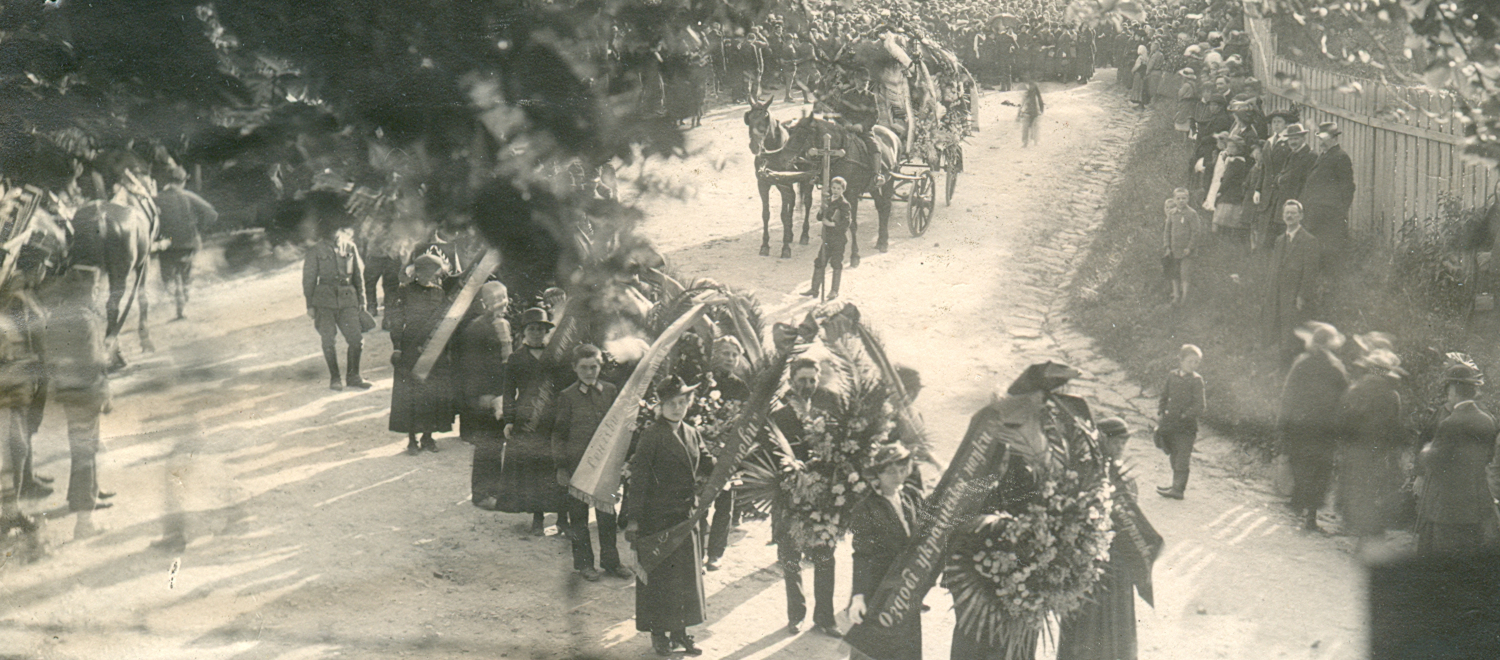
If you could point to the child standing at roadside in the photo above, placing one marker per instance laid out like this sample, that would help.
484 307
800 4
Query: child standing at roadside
1182 403
1178 240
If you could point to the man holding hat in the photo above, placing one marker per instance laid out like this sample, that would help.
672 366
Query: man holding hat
333 284
1329 189
1454 506
663 492
1308 423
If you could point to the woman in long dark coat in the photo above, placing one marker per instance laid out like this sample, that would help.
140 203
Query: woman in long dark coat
662 492
528 479
420 406
1104 628
483 346
1370 448
1309 421
880 530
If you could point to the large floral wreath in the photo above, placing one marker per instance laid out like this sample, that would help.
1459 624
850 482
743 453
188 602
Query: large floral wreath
821 492
1041 556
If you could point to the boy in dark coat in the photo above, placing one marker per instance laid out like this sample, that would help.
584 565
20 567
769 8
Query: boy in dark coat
834 217
580 409
662 493
1182 403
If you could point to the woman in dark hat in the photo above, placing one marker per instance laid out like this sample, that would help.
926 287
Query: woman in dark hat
1454 507
422 406
662 492
528 478
882 524
1370 446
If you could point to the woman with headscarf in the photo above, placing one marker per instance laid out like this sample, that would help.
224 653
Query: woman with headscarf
420 406
1370 446
1140 92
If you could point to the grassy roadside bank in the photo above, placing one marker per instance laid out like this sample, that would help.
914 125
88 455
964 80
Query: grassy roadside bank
1121 300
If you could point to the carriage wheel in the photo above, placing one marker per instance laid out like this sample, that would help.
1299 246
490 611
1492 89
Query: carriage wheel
919 204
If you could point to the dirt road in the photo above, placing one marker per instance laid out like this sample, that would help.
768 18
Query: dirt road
310 535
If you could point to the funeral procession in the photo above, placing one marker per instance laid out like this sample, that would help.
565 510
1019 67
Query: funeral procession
436 329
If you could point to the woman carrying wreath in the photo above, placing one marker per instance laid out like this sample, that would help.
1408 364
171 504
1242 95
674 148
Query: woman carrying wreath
882 524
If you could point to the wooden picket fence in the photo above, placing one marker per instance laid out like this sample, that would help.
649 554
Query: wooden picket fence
1404 142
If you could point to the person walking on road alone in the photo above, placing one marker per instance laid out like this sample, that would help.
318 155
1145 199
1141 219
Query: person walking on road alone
183 214
1182 403
333 284
834 217
1029 115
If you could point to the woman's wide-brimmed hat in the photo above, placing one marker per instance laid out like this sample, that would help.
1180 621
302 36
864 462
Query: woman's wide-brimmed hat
1320 334
1463 373
1384 360
1187 72
673 386
534 316
889 453
1373 340
430 260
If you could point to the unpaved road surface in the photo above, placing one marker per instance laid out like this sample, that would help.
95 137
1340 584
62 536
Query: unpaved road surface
310 534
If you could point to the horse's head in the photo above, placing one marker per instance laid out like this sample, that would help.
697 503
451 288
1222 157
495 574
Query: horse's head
758 119
806 134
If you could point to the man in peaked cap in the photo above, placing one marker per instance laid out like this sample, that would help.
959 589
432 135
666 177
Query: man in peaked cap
333 284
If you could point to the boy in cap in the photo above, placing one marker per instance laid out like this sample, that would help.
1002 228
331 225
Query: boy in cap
1182 403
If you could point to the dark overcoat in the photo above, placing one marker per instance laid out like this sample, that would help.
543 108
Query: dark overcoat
1294 273
481 348
662 492
1328 192
419 406
1454 489
1370 445
529 477
1291 176
1309 423
878 539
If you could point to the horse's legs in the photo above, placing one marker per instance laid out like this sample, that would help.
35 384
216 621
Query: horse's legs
806 190
788 206
853 198
146 344
883 198
765 216
113 322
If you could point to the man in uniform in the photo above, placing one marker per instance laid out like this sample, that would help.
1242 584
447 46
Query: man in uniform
333 284
801 404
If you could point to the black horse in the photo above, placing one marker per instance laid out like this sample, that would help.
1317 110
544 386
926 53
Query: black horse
768 141
866 165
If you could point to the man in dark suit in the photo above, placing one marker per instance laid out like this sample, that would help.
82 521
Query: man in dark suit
579 410
1293 172
1293 282
662 493
1329 189
1307 423
1262 184
803 404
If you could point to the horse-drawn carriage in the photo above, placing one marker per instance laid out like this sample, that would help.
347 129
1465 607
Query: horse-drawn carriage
890 115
